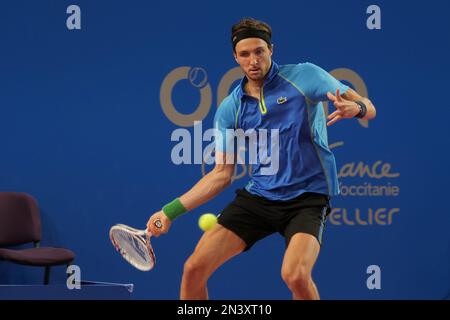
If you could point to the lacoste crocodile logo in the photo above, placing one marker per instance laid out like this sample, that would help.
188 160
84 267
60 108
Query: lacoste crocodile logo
281 100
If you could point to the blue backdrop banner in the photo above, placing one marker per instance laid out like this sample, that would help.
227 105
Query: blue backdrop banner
96 97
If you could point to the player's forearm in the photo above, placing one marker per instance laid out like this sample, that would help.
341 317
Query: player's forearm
352 95
207 188
371 111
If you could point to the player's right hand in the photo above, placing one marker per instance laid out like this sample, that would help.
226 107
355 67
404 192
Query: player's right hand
164 223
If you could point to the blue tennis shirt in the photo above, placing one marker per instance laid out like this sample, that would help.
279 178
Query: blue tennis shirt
290 102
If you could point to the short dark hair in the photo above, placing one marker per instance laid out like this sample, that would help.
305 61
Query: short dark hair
249 23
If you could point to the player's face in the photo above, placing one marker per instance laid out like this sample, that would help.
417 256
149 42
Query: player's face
254 57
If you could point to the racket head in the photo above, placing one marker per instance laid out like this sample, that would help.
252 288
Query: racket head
134 246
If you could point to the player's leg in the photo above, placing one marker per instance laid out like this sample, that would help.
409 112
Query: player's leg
298 262
213 249
303 235
237 230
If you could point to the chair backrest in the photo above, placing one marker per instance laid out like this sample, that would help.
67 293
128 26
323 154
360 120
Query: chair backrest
20 220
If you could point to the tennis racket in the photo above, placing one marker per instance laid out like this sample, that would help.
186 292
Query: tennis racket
134 245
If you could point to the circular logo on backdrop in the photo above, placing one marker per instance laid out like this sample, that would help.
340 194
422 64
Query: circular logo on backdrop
198 78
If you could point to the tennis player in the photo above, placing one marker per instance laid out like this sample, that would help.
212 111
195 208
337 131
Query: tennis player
294 201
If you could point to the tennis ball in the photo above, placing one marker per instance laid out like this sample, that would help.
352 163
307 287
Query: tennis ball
207 221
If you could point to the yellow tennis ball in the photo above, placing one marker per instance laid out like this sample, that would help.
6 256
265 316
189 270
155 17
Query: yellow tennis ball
207 221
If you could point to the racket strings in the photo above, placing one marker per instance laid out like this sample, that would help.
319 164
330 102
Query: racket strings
131 248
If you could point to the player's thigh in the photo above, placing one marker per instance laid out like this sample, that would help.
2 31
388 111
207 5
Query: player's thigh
215 247
301 254
303 236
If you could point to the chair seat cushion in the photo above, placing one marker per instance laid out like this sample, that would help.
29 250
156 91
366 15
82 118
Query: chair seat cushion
45 256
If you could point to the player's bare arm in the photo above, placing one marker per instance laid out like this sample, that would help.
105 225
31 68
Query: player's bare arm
204 190
347 106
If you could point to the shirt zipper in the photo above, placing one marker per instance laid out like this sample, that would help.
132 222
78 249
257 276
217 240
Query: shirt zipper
262 104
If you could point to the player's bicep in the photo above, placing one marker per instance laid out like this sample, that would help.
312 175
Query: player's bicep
225 163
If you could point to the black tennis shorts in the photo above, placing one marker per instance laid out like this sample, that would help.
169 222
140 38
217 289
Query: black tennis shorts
252 217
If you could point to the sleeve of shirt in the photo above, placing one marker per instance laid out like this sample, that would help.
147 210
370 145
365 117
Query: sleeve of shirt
316 82
225 118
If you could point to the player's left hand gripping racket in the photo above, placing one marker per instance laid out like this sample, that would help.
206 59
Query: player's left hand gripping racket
134 245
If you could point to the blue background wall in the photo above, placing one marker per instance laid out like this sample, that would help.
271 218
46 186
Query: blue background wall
83 131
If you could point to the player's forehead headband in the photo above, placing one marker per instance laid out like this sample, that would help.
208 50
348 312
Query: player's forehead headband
250 33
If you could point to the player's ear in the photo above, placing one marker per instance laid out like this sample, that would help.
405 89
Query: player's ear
235 56
271 49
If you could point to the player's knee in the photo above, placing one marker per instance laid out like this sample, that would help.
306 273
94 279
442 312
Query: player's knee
296 279
194 268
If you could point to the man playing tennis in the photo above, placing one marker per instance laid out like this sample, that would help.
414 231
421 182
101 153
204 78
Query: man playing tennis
294 200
